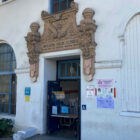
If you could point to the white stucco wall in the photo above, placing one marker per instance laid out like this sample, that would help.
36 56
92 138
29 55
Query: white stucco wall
111 17
16 18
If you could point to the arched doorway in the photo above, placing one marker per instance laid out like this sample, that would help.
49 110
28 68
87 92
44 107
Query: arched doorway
7 80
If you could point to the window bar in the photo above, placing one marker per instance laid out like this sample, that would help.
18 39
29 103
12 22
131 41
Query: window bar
71 67
66 71
4 93
52 6
10 84
10 94
14 94
67 3
59 5
6 73
4 104
77 69
0 107
59 73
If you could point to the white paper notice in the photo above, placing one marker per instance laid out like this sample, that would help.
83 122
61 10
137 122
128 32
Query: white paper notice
90 91
54 110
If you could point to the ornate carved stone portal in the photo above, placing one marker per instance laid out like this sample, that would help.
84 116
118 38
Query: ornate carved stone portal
62 33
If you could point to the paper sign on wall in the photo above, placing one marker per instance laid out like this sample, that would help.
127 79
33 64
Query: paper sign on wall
27 98
90 91
107 102
27 91
105 93
84 107
54 110
27 94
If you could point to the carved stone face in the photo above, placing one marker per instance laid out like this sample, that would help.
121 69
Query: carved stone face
34 27
87 16
88 13
87 66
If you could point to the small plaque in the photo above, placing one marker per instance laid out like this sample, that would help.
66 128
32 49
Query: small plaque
27 98
27 91
54 110
84 107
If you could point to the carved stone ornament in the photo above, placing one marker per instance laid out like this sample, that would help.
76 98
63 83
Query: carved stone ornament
33 42
62 33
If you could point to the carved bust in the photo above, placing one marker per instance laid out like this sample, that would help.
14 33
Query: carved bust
33 38
88 15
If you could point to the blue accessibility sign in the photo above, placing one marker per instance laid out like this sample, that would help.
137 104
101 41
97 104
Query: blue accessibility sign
27 91
84 107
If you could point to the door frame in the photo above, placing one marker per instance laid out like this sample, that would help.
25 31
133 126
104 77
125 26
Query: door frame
53 56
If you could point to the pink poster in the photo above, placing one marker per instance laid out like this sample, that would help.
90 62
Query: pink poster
105 83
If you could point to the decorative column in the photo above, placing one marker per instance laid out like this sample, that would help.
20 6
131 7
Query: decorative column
33 40
87 43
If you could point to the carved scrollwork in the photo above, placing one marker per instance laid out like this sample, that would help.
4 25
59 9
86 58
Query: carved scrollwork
62 33
58 27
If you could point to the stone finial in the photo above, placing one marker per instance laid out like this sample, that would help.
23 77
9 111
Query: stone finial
88 13
44 14
74 5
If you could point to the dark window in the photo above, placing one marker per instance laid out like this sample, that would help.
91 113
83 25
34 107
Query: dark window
60 5
7 80
69 69
4 0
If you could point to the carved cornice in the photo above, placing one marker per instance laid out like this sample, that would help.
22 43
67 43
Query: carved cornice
62 33
108 64
22 70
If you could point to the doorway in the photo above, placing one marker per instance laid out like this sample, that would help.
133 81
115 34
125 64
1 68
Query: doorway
63 102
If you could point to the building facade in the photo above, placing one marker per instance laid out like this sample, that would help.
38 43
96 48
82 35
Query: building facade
109 99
